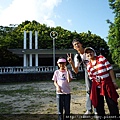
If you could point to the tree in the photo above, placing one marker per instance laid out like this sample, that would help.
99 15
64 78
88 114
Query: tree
12 38
9 59
114 32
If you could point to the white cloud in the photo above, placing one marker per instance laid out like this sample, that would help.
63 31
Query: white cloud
69 21
20 10
57 16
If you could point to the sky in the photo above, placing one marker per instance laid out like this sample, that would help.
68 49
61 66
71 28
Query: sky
72 15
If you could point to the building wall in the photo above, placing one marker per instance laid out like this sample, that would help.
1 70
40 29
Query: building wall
10 78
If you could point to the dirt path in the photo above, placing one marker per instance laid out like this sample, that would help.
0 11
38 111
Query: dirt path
39 98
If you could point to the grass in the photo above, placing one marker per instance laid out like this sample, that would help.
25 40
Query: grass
13 92
5 108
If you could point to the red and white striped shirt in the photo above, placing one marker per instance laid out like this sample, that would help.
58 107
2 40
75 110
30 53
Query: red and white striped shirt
101 68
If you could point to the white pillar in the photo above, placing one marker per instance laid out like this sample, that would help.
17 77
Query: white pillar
36 40
24 44
36 47
36 60
25 62
24 47
30 40
30 47
30 60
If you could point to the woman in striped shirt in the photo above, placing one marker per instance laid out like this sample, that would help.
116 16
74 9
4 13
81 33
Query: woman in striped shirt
101 73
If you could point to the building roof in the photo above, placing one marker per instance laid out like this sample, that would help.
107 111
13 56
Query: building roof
41 51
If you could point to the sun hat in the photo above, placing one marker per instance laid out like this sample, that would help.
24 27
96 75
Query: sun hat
61 60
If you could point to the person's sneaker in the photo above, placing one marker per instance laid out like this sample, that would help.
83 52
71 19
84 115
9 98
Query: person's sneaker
96 116
95 113
87 114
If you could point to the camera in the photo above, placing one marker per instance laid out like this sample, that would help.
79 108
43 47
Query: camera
98 78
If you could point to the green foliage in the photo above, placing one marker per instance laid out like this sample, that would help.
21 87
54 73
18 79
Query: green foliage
114 32
118 82
12 38
8 59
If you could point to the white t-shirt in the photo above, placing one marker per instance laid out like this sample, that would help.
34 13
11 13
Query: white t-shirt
61 78
83 57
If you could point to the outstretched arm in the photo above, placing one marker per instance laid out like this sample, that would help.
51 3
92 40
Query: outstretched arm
68 75
69 59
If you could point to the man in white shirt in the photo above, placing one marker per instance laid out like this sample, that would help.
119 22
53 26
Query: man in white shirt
80 59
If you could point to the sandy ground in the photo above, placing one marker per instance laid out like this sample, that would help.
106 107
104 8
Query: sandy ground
39 98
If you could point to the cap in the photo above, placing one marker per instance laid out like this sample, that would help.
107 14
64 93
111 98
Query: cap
61 60
89 48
